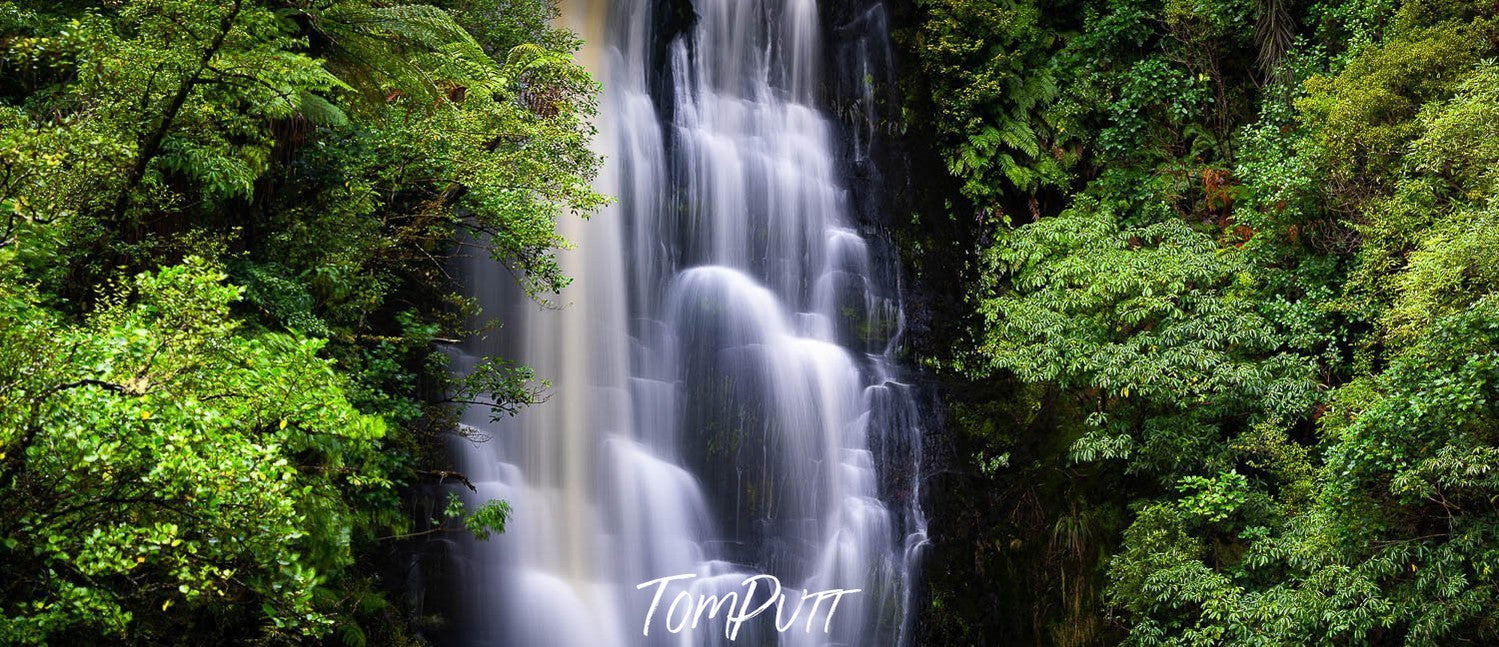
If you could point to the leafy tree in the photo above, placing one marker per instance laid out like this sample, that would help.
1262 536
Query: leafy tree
1154 321
154 456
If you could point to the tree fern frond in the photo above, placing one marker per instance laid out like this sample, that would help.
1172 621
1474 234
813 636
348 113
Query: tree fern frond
525 54
319 111
412 50
1275 32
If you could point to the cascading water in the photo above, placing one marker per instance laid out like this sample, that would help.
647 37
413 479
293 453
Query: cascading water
724 401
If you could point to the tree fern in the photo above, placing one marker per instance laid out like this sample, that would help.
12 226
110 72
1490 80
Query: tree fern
417 51
1274 33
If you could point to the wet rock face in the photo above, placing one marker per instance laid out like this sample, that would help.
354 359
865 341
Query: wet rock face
893 171
862 93
898 182
669 19
896 174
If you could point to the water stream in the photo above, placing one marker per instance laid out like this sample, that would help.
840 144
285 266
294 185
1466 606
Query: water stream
725 397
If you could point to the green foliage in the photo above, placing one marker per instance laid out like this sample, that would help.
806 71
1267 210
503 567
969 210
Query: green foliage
1153 323
1400 539
1157 310
502 386
1213 499
154 456
1363 118
980 57
488 518
225 234
1265 298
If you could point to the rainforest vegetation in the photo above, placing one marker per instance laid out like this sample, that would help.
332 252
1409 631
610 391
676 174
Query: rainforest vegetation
1223 366
226 230
1207 287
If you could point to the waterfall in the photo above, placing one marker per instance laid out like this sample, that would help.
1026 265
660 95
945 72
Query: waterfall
725 400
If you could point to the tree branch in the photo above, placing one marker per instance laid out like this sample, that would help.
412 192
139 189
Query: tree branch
151 147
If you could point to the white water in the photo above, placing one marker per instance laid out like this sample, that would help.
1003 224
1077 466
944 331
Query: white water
721 366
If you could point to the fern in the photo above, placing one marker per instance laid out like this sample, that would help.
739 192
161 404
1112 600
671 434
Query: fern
319 111
416 51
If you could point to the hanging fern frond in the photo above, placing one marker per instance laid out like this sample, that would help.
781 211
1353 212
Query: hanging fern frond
319 111
1275 32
